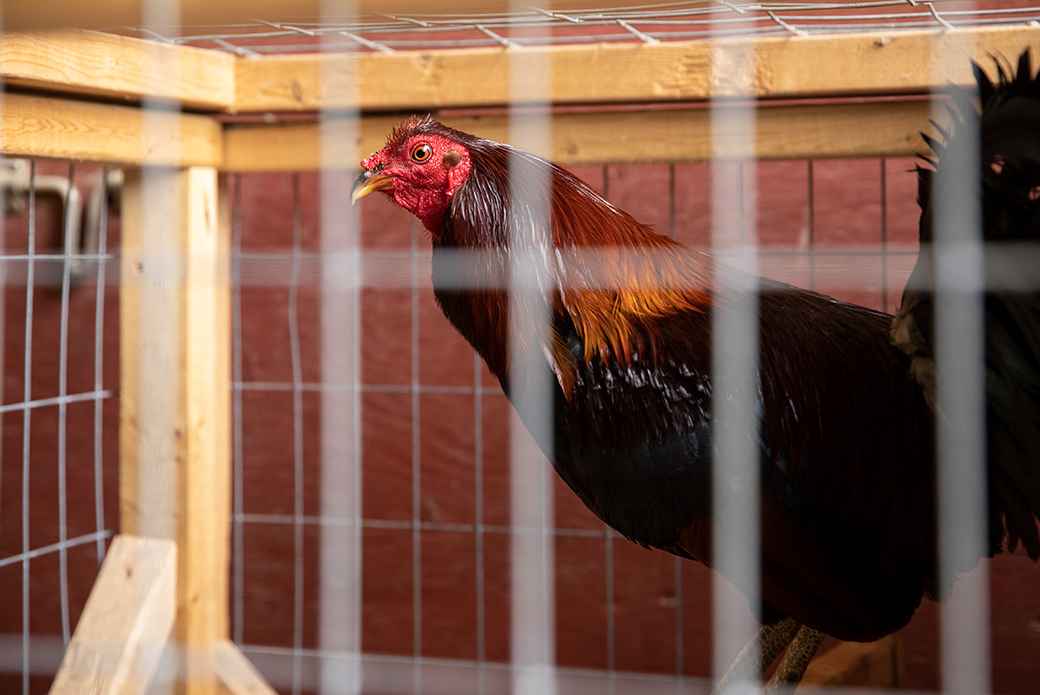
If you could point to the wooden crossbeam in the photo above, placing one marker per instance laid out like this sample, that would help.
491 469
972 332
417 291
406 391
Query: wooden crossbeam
69 129
126 622
603 73
33 14
673 135
103 65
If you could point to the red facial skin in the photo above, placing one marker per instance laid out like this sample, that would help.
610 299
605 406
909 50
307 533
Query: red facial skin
423 185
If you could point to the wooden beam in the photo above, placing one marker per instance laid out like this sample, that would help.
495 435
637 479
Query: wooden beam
175 408
237 674
780 67
126 622
117 67
98 14
32 126
890 128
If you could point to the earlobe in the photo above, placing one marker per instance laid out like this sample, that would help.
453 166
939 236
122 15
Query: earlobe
456 175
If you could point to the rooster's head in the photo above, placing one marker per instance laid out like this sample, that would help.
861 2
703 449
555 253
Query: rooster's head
420 168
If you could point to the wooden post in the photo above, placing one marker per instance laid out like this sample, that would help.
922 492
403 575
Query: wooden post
175 401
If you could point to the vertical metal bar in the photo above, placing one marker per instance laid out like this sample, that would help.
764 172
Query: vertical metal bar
339 586
478 520
680 649
63 382
162 321
961 388
532 604
99 371
238 436
608 542
30 280
735 487
417 575
340 579
812 223
676 561
884 235
671 199
297 377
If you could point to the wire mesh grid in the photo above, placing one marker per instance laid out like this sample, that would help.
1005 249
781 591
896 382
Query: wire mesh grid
436 526
58 487
654 23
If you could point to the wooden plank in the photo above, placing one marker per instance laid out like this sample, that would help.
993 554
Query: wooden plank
98 14
32 126
117 67
870 664
126 622
236 672
813 66
890 128
175 417
883 63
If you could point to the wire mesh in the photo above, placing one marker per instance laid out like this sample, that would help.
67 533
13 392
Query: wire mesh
58 467
539 26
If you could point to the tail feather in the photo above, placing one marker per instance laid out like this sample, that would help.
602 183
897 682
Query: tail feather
1009 122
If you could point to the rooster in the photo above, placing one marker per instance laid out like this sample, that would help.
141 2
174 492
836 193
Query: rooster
1009 152
622 323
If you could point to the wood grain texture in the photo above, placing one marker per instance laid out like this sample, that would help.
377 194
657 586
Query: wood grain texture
236 672
126 622
31 14
779 67
175 416
889 128
32 126
117 67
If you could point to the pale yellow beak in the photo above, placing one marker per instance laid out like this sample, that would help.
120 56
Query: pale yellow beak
368 182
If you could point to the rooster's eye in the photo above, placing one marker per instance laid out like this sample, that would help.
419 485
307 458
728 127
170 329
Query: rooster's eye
421 153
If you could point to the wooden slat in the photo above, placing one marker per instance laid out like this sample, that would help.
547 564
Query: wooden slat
784 132
98 14
814 66
117 67
175 453
870 664
32 126
126 622
236 672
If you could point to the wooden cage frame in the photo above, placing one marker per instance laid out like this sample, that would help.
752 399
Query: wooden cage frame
78 95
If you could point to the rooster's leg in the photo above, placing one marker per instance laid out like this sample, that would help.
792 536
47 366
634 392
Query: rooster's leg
796 660
760 651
